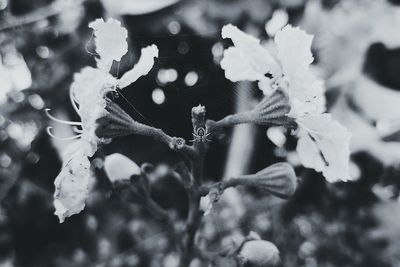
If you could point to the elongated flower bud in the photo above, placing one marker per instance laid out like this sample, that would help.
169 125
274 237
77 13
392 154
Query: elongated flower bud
271 111
117 123
279 179
260 253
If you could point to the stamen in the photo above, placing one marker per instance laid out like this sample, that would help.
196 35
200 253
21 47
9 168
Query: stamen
72 99
61 121
77 130
48 130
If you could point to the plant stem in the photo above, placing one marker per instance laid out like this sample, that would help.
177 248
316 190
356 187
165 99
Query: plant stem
194 216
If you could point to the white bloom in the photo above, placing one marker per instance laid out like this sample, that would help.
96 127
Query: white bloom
323 143
87 94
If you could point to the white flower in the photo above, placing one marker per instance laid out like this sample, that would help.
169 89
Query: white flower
323 143
87 94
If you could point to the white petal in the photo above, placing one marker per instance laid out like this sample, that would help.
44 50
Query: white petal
294 52
206 204
142 67
305 90
324 146
110 39
89 88
119 167
72 187
247 60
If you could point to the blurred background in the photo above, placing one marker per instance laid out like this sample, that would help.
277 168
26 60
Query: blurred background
357 51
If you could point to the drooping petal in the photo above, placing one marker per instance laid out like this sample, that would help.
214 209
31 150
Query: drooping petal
110 39
119 167
142 67
72 187
324 146
247 60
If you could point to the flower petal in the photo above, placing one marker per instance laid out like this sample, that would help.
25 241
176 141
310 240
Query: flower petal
324 146
305 90
89 88
110 41
247 60
72 187
142 67
294 52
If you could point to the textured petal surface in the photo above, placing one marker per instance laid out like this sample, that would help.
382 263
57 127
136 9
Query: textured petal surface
294 52
89 87
247 60
72 187
324 146
110 39
142 67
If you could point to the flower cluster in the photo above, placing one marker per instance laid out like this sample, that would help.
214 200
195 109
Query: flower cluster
323 143
88 97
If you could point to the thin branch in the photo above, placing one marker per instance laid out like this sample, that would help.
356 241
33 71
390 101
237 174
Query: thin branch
39 14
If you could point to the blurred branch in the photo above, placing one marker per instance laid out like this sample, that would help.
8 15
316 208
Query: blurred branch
39 14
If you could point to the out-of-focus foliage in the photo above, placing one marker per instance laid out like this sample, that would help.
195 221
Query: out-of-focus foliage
323 225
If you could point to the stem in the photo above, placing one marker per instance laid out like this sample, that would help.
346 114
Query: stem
194 216
230 120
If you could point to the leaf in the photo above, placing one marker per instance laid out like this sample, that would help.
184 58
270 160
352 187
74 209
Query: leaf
247 60
72 187
142 67
119 167
324 146
110 39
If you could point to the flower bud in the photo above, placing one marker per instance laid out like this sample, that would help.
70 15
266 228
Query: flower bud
119 167
278 179
117 123
259 253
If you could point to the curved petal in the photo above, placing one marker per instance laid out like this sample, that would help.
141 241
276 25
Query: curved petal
142 67
247 60
324 146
